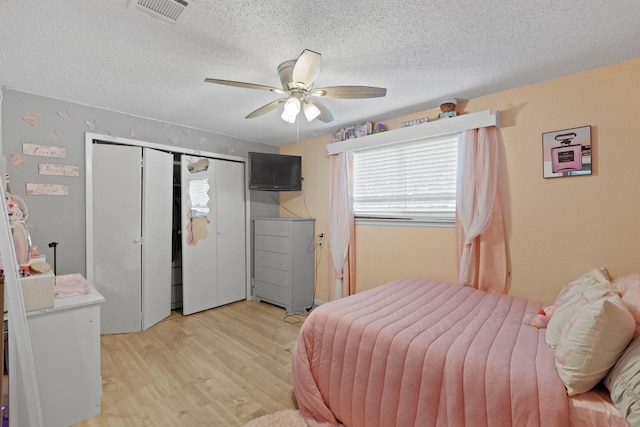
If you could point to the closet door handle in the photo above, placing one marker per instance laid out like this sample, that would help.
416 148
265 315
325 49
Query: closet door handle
137 240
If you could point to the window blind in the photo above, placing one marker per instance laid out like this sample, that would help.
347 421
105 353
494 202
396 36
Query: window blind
413 181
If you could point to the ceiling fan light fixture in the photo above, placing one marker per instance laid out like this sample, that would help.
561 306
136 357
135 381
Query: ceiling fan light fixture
289 118
310 110
292 106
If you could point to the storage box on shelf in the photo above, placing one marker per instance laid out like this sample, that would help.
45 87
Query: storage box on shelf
38 291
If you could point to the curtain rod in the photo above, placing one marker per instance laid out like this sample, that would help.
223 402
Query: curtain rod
436 128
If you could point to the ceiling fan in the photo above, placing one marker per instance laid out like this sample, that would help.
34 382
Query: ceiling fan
297 78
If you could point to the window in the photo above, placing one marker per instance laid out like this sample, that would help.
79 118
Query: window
413 182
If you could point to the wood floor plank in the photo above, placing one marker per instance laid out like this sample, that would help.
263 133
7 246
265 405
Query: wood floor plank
221 367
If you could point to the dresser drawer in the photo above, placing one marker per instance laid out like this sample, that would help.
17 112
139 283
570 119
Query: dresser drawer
272 228
272 243
272 293
273 260
272 275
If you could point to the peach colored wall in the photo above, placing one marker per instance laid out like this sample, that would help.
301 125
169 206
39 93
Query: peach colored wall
313 201
557 228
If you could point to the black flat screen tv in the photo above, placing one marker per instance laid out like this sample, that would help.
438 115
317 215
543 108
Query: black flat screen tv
275 172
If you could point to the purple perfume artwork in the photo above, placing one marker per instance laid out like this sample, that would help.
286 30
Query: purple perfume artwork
567 152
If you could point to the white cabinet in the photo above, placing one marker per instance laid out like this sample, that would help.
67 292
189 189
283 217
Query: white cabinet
65 341
284 262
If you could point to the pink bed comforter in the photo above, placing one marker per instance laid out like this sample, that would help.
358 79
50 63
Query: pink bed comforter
422 353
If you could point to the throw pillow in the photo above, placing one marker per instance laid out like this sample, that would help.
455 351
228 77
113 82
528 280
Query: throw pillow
592 341
623 382
598 277
629 287
571 305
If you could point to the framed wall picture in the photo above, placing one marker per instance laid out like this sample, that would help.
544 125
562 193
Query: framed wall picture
566 152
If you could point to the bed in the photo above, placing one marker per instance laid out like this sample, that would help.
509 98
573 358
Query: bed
417 352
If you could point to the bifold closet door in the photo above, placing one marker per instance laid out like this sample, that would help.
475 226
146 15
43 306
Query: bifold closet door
198 219
117 210
157 214
132 208
232 267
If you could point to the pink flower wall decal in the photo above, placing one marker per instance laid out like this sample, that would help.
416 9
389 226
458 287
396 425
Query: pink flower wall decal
17 160
31 118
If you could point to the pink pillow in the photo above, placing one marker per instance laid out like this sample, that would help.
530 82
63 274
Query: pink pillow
629 287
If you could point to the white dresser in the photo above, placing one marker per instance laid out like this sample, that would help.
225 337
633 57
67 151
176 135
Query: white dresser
284 262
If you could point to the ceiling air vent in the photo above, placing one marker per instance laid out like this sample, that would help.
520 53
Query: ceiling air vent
167 10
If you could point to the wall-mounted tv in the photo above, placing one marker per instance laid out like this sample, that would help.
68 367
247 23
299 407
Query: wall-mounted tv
275 172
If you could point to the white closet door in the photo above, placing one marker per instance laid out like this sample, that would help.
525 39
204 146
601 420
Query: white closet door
156 236
117 183
231 232
198 219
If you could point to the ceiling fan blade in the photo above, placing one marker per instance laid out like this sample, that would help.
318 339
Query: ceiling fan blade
266 108
245 85
350 92
307 68
325 115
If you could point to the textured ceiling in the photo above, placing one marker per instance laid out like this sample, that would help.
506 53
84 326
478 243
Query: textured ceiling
106 54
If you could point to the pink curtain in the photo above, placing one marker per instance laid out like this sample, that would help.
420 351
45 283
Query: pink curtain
480 226
341 228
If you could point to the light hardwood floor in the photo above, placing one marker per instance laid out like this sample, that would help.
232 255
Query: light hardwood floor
220 367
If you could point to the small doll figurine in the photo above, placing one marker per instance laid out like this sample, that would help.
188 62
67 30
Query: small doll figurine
448 108
541 318
16 209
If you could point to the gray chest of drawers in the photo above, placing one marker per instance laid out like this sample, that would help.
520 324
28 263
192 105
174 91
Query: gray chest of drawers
284 262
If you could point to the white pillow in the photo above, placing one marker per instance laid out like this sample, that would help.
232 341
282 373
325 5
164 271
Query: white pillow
571 305
598 277
592 341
